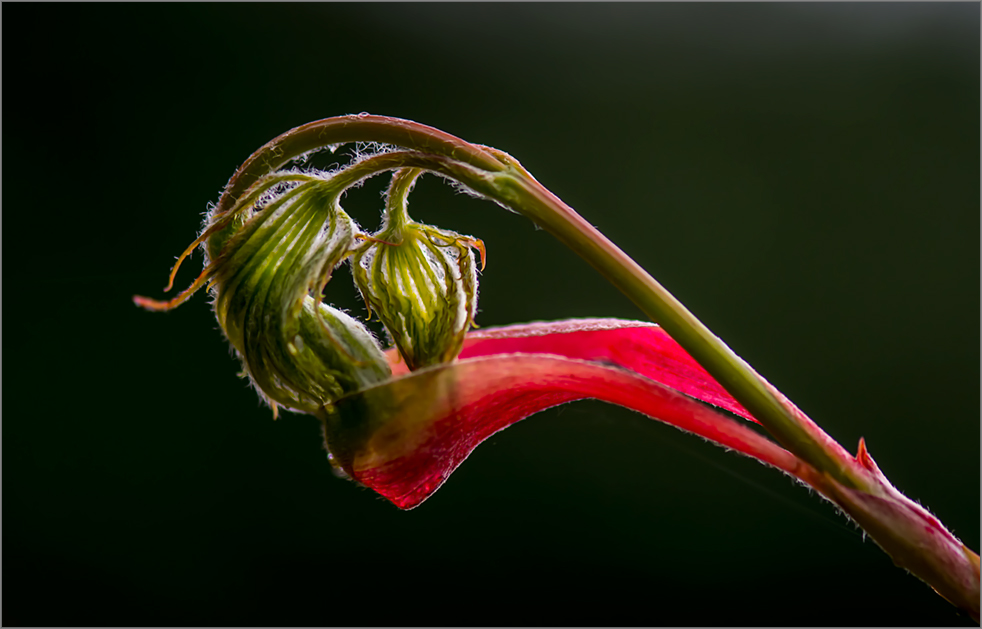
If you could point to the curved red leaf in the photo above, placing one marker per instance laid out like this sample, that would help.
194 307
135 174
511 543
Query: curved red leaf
642 347
405 437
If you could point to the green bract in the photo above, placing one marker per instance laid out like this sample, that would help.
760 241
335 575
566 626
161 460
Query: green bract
420 280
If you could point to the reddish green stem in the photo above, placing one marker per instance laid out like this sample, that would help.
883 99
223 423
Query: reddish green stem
343 129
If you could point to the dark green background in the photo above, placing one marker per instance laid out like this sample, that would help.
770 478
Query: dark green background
804 177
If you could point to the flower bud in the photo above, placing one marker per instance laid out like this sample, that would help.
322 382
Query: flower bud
299 352
420 280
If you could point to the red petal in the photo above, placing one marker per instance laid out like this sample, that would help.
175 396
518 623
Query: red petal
642 347
404 438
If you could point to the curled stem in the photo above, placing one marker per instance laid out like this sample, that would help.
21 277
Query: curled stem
357 128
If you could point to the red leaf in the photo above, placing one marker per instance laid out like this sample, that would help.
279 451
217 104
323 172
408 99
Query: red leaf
405 437
642 347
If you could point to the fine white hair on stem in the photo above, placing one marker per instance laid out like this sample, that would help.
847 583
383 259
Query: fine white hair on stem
365 150
304 157
462 188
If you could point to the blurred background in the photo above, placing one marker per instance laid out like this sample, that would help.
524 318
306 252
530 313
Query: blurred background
804 177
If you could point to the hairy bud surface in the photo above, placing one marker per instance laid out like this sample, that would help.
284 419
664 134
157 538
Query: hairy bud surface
420 280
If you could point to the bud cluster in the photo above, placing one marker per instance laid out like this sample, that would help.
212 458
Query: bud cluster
269 257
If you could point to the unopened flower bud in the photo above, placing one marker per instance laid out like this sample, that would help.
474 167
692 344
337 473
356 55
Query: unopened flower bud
301 353
271 256
420 280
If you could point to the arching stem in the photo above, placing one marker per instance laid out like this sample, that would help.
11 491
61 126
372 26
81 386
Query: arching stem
343 129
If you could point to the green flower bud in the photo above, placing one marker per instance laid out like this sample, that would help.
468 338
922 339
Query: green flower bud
301 353
276 250
420 280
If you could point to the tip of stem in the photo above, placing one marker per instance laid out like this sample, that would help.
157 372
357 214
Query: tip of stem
864 458
151 304
478 244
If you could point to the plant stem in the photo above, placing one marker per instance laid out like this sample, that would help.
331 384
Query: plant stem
803 438
343 129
